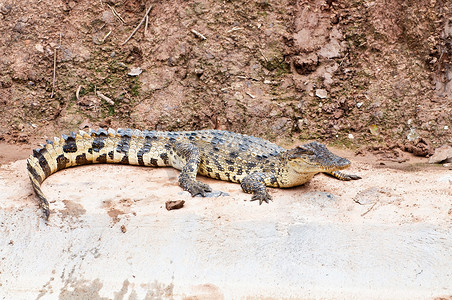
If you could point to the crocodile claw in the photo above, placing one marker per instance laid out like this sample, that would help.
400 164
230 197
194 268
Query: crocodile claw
262 197
353 177
343 176
198 188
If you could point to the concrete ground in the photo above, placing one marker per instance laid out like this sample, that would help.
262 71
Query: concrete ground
387 236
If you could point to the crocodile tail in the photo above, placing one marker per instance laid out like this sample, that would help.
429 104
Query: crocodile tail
73 150
36 180
124 146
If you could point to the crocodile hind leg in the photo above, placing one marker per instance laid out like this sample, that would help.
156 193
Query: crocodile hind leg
255 184
187 177
342 176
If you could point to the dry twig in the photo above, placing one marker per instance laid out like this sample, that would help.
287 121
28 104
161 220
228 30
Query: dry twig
251 95
54 66
54 72
146 25
262 53
116 14
103 97
105 37
135 30
77 93
235 29
365 213
201 36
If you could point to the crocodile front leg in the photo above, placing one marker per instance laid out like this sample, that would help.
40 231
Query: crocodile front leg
187 177
255 184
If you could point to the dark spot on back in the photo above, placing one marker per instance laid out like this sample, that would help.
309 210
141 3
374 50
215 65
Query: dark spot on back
140 157
98 144
102 158
81 159
164 156
154 162
61 162
219 166
234 154
111 155
231 168
250 165
239 171
229 161
70 146
125 160
123 144
244 147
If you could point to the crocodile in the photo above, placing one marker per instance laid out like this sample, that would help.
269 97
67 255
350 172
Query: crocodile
253 162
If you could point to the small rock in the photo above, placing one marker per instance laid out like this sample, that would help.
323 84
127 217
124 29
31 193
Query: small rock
419 147
321 93
305 64
442 154
39 48
238 96
20 27
170 205
412 135
5 9
374 130
350 136
135 71
108 17
359 104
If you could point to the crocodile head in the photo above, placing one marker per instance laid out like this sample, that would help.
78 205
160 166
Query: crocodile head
314 158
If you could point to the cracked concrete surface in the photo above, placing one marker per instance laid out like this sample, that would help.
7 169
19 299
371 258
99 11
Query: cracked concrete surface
110 237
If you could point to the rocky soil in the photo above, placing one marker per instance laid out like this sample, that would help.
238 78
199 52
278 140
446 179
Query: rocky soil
349 72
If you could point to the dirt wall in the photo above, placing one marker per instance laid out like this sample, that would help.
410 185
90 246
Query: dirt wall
347 72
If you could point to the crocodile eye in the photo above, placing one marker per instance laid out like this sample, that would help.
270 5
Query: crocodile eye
298 152
304 151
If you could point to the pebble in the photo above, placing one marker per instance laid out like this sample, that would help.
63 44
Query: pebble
442 154
135 71
321 93
39 48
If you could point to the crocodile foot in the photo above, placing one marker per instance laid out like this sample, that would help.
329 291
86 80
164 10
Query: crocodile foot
262 197
196 188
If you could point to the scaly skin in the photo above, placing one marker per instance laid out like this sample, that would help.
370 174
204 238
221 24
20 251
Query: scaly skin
253 162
